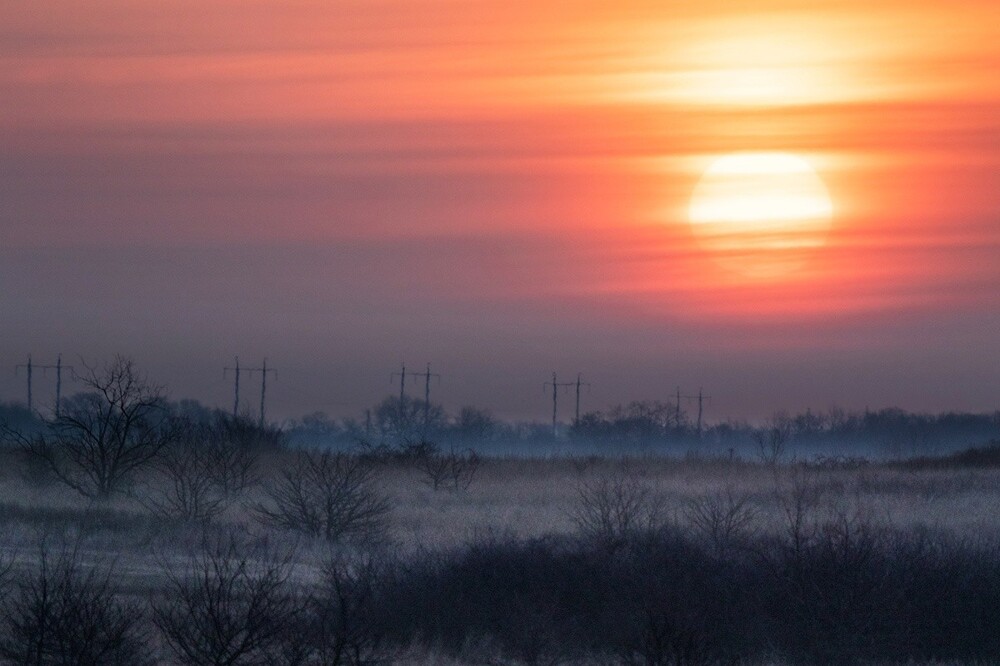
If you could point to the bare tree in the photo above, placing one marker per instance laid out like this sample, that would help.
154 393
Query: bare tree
202 473
723 518
104 436
454 470
772 439
344 621
63 614
329 495
799 504
231 607
233 463
405 426
613 508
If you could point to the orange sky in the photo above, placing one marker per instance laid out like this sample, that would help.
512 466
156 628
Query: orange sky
453 171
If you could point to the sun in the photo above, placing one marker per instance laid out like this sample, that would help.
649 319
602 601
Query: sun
761 213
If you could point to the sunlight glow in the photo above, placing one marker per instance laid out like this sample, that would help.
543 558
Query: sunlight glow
758 212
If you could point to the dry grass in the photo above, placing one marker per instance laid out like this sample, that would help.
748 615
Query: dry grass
534 497
510 497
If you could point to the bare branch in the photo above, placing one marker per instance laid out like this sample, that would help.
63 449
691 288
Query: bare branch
329 495
232 605
103 437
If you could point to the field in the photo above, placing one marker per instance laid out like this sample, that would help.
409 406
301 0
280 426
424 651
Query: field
566 560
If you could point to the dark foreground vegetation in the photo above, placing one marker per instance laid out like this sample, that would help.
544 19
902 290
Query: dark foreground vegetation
845 593
138 531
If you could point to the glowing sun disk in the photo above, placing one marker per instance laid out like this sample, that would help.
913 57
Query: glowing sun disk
755 210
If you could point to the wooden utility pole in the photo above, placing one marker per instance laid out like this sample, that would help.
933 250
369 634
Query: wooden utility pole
402 382
236 385
427 375
701 402
677 415
556 385
263 370
58 367
17 369
578 385
701 398
58 383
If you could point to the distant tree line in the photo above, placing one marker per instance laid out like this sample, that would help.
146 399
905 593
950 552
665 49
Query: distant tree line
652 427
410 424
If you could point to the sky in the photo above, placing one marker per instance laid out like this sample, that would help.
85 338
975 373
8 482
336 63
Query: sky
503 190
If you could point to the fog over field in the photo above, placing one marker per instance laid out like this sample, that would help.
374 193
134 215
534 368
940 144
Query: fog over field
140 530
499 333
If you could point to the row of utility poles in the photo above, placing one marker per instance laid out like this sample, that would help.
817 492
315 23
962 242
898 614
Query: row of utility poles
555 384
426 375
30 367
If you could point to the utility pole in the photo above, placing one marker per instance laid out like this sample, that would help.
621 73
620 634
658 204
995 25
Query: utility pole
701 398
402 381
263 391
677 416
17 369
236 386
427 390
263 370
58 367
578 385
59 383
555 400
701 402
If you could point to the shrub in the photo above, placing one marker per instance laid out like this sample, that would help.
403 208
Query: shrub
452 470
200 475
344 622
232 606
611 509
64 614
328 495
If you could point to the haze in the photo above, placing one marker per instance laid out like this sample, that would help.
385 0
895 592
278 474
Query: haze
502 192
